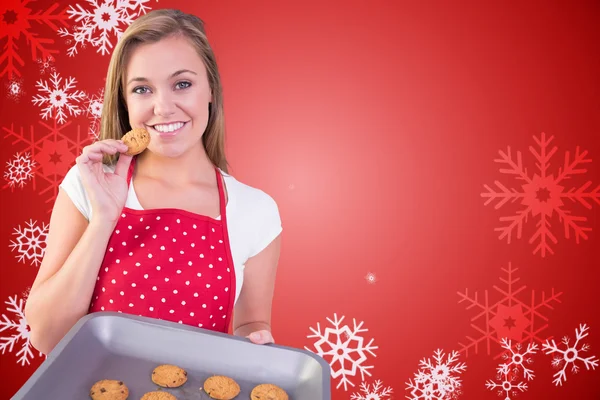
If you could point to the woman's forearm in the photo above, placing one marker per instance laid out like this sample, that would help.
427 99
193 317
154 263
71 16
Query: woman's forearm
59 302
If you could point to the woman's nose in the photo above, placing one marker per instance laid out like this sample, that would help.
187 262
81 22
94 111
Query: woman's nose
164 105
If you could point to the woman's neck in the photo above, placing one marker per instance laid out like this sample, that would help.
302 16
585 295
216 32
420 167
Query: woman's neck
191 166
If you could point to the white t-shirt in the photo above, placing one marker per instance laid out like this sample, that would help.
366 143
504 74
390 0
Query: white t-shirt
253 219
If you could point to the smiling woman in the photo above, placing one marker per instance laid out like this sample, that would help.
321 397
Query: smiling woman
168 233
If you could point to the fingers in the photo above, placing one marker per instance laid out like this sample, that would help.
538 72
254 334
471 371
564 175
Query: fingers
95 151
122 167
261 337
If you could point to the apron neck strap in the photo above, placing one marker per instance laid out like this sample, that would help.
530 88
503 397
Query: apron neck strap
220 184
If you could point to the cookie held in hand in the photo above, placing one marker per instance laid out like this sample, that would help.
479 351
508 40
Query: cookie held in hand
108 389
136 140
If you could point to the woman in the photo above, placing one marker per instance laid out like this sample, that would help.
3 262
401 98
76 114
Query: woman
169 233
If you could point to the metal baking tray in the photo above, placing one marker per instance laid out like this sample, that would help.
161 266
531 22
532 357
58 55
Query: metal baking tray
124 347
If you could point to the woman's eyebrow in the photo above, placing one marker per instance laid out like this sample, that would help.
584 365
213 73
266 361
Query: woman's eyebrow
174 74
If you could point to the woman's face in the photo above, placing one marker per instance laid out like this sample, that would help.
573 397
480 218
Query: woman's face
167 92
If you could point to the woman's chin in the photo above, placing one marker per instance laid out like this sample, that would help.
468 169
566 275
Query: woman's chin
163 152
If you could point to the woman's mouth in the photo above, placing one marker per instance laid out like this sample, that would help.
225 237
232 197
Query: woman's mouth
169 129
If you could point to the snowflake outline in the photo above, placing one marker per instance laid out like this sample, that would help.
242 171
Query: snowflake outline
436 381
56 99
30 243
16 306
530 310
38 145
21 27
372 392
14 89
543 195
550 347
507 383
19 170
344 336
95 29
507 374
93 111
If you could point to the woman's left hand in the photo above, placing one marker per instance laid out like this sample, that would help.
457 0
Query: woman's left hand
261 337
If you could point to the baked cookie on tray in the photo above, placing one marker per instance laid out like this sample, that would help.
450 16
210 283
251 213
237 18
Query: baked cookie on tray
169 376
109 389
267 391
221 387
158 395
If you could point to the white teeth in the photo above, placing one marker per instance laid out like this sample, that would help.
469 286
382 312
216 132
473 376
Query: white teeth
168 127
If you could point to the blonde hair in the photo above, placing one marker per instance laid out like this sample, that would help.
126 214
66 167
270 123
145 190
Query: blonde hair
151 28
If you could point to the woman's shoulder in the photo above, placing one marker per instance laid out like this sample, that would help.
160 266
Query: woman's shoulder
72 185
253 216
248 198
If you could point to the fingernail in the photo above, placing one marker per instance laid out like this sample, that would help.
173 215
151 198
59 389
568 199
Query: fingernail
255 335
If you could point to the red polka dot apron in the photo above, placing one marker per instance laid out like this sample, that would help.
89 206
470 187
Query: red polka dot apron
169 264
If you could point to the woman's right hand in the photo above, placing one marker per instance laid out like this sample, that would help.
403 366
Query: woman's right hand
107 191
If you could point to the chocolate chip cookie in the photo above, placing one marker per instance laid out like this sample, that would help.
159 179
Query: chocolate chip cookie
169 376
108 389
136 140
158 396
267 391
221 387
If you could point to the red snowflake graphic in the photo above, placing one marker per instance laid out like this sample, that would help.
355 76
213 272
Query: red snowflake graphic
15 21
543 195
511 314
54 153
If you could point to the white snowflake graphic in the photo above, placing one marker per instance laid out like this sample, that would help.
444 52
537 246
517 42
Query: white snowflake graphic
517 359
94 112
543 196
101 22
506 384
377 392
30 243
14 89
439 381
570 355
20 331
46 64
508 374
19 170
344 348
58 99
371 277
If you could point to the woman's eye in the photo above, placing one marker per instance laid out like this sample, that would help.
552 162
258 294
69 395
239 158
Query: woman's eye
183 85
140 90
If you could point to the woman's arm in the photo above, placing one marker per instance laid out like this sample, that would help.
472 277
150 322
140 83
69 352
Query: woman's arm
63 287
253 308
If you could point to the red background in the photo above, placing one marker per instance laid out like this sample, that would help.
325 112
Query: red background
375 126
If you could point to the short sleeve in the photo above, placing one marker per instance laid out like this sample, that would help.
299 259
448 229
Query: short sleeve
268 224
73 187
